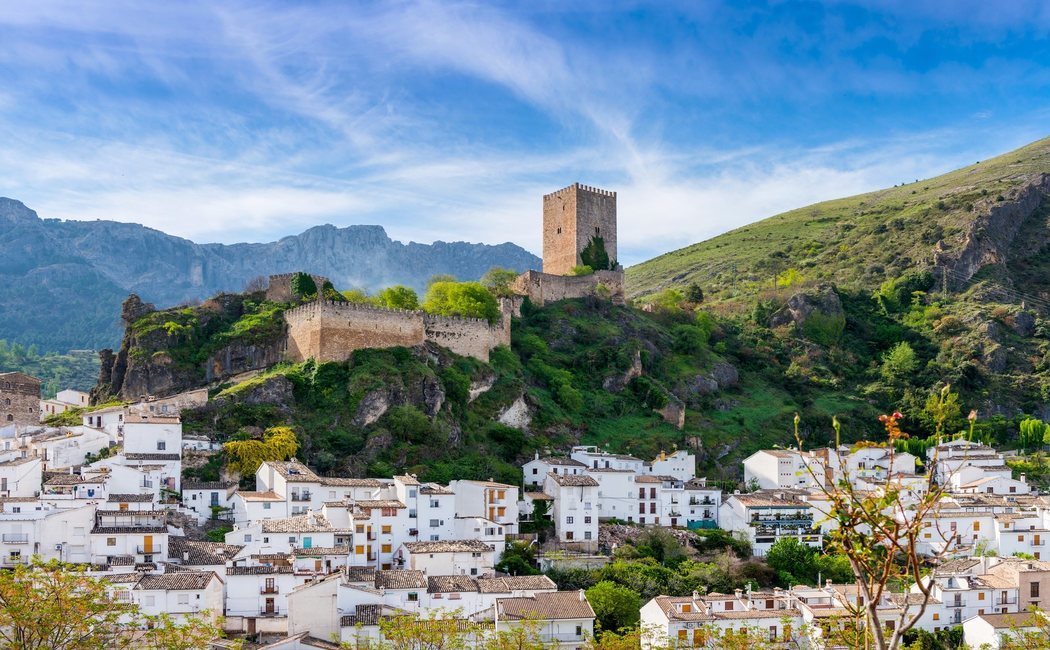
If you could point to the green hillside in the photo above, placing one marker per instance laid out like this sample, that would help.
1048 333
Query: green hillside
861 241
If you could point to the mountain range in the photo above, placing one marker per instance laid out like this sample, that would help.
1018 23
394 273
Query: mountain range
62 281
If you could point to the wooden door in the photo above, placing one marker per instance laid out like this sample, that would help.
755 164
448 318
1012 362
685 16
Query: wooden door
147 544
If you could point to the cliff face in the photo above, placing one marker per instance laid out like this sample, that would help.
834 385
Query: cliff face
61 282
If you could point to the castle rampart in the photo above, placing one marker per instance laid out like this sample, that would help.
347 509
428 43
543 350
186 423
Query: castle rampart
331 331
542 288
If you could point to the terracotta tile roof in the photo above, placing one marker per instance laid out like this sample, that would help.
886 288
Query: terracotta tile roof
206 485
573 480
562 462
558 605
260 496
294 471
645 478
130 498
201 553
509 584
360 574
407 479
152 456
71 479
448 584
449 546
308 523
1018 620
400 579
766 500
538 496
257 570
180 581
381 503
434 488
363 615
146 418
338 481
120 530
316 551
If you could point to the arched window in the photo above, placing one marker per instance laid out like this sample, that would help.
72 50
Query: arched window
10 418
7 402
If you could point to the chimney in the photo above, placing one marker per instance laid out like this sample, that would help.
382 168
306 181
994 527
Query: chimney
827 583
1024 479
738 592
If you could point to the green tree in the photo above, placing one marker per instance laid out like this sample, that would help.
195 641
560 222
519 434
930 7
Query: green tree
899 362
398 297
440 277
942 413
468 299
669 299
615 607
303 285
595 256
356 295
498 281
694 294
519 559
795 562
1034 432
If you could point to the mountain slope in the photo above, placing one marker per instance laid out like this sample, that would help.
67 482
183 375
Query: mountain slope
990 214
62 282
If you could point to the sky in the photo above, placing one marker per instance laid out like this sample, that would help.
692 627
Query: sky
250 121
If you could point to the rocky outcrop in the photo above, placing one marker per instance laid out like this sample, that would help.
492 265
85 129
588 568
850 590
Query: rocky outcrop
991 235
85 268
517 415
817 312
617 383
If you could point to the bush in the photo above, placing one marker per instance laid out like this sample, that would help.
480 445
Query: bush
688 339
467 299
581 269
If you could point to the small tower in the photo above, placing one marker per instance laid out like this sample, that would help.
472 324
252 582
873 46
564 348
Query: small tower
572 217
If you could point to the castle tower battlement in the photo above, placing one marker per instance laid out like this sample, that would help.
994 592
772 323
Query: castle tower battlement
572 217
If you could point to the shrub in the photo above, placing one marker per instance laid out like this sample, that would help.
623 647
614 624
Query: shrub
468 299
595 256
581 269
303 285
398 297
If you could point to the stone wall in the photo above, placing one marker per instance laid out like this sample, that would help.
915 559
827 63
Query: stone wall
542 288
330 331
571 217
280 287
19 399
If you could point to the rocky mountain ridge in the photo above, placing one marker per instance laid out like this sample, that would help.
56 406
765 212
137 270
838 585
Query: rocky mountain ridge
63 281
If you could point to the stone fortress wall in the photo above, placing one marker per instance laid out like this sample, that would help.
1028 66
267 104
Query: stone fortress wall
280 287
331 331
19 399
542 288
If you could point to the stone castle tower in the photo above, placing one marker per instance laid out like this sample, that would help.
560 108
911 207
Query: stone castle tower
571 217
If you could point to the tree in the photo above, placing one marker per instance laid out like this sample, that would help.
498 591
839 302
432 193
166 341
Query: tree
438 631
899 362
440 277
581 269
595 256
794 561
518 559
398 297
694 294
669 299
303 285
615 607
356 295
245 456
1034 432
53 606
942 413
498 281
879 532
257 284
468 299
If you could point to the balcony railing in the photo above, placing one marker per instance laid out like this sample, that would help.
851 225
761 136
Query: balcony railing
271 589
300 496
152 549
706 501
1009 600
12 560
16 538
955 603
276 611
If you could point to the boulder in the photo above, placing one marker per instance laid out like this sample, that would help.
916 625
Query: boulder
817 312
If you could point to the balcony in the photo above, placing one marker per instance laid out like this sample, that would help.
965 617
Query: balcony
268 612
300 496
12 560
269 589
955 604
706 501
151 549
16 538
1009 600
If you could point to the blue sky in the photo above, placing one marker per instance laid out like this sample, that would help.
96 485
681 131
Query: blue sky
251 121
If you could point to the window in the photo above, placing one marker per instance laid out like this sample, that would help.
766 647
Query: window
162 445
413 596
412 493
474 571
681 636
977 525
360 528
587 535
729 606
359 549
434 523
384 548
1034 590
184 599
772 632
266 505
980 595
247 537
937 616
291 539
501 511
412 514
641 508
111 541
586 520
266 540
535 471
389 512
568 520
434 503
652 508
641 493
579 630
652 493
386 529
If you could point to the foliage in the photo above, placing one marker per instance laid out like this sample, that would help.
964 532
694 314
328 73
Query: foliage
615 607
798 563
245 456
595 256
303 285
1033 434
694 293
899 362
498 281
77 369
467 299
581 269
356 296
822 328
518 559
218 534
669 299
398 297
59 607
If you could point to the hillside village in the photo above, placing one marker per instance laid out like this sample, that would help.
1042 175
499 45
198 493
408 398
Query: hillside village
310 560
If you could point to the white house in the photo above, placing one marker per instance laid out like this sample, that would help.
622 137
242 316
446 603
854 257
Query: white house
203 497
20 477
790 468
703 504
765 517
66 447
561 618
680 465
63 401
280 536
138 536
445 558
536 470
257 598
146 433
179 594
594 458
29 527
497 502
575 511
993 631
